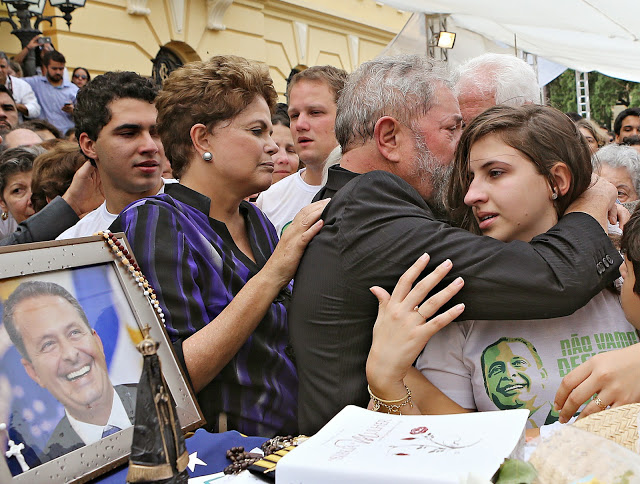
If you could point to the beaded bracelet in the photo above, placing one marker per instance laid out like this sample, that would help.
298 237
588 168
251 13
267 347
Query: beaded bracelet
127 260
391 405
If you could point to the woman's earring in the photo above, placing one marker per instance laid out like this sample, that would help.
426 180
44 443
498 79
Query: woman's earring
554 196
4 216
207 156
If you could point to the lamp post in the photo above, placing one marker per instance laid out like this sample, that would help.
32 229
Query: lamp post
25 10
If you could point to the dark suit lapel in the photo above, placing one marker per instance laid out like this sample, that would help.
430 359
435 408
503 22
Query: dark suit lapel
127 394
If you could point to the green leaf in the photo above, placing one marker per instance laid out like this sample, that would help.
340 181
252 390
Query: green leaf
514 471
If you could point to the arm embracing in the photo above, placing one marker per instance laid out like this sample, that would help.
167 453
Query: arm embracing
170 262
553 275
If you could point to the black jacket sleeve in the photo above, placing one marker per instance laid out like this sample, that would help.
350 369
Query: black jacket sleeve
555 274
56 217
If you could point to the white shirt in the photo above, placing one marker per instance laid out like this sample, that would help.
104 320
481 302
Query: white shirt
453 358
284 199
23 94
99 219
90 433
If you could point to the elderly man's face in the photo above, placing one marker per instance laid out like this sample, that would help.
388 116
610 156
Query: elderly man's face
620 178
473 102
438 132
66 356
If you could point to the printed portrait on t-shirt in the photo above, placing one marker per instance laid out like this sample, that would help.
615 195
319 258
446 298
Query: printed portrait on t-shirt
514 375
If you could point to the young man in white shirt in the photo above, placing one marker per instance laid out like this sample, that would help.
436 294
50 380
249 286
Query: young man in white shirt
313 94
116 120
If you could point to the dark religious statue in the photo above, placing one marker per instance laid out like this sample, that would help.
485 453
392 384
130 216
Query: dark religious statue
158 452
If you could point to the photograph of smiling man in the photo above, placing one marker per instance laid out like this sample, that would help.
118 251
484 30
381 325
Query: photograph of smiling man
72 348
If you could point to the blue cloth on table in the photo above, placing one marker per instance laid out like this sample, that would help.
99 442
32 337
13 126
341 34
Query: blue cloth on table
211 449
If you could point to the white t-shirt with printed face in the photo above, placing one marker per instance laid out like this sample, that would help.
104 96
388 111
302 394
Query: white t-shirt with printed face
499 365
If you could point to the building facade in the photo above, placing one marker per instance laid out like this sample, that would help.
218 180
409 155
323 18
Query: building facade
152 37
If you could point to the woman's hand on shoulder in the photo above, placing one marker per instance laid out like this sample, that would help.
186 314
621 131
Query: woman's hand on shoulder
614 376
305 226
85 192
403 327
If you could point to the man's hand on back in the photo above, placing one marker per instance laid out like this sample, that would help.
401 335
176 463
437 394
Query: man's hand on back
599 201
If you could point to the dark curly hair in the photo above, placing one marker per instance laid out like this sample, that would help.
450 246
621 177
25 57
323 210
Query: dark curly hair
92 111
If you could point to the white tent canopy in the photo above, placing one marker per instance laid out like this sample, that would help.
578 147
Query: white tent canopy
585 35
413 39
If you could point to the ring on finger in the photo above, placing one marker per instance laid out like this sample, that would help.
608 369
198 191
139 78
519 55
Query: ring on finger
599 403
417 310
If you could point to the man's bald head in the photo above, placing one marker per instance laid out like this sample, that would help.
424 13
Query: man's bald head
21 137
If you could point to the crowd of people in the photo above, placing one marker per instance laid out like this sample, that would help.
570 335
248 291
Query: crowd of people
293 247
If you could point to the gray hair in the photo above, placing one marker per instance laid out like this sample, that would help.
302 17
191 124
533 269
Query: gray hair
4 56
619 156
511 80
401 86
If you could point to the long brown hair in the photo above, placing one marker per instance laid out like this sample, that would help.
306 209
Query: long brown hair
541 133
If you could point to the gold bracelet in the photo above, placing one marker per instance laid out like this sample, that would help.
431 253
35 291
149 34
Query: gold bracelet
395 405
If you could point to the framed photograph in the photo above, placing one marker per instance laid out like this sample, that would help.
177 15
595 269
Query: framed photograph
71 317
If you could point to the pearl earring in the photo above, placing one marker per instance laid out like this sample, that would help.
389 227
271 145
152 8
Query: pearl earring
207 156
554 196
